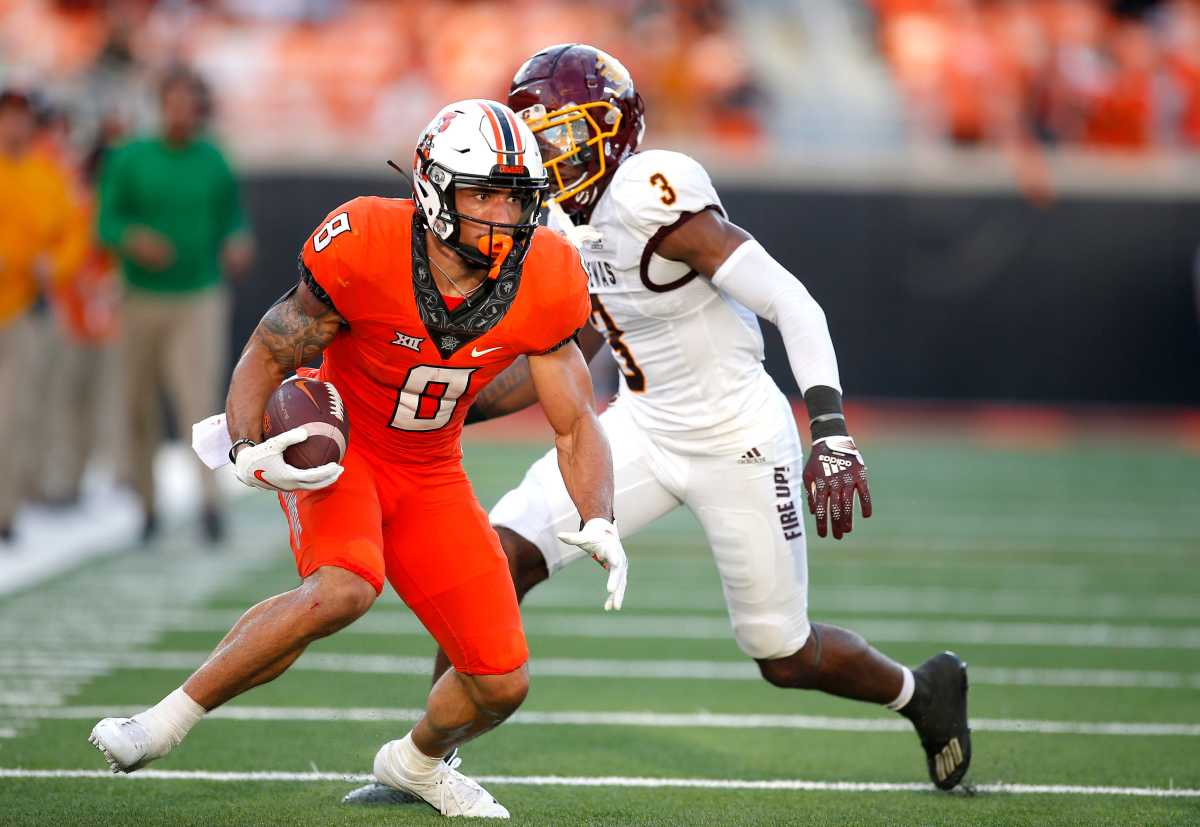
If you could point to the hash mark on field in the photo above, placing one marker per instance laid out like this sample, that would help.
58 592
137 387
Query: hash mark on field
621 781
645 719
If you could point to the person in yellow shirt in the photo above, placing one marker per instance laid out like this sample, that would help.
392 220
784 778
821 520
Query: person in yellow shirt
40 244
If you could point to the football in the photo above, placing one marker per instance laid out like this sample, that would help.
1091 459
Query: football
316 406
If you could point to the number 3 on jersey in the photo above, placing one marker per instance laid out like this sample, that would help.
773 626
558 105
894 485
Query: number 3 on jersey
429 397
634 378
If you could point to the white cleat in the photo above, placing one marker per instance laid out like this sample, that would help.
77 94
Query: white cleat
448 791
125 742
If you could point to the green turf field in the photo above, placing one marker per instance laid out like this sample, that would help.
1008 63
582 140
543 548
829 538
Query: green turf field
1069 579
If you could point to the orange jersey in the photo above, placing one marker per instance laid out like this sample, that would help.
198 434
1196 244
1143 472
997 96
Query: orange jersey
407 367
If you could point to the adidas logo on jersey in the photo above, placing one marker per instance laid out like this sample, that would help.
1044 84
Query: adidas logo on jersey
752 457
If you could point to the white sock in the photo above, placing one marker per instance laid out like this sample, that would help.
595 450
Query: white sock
170 719
413 762
906 691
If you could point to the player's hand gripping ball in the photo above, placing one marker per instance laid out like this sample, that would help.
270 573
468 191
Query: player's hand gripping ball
306 430
834 471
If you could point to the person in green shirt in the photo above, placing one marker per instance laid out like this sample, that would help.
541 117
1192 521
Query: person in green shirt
169 209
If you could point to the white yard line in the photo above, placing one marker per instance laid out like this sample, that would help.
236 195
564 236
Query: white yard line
620 781
724 670
632 625
919 600
974 538
707 720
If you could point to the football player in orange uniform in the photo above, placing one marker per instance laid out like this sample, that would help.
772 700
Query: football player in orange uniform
416 305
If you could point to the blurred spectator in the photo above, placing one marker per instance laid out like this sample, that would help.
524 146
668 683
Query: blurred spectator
1182 25
41 243
1109 76
353 79
85 307
170 210
1075 68
1122 114
967 72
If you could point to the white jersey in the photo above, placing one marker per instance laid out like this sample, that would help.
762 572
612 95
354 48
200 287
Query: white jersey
690 356
698 421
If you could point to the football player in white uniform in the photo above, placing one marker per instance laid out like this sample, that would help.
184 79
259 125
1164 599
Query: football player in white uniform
698 421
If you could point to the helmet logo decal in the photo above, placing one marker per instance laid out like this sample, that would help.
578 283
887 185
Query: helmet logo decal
509 145
446 117
612 71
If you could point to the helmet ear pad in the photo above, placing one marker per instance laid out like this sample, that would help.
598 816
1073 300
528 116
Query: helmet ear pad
442 219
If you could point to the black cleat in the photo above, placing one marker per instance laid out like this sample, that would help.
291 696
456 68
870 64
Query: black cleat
376 793
938 710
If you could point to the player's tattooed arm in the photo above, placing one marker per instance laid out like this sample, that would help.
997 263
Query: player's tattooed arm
292 332
513 389
509 392
297 329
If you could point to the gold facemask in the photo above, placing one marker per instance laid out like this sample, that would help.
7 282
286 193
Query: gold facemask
563 136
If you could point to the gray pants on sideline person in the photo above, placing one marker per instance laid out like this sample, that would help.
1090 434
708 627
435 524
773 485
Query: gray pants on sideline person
175 343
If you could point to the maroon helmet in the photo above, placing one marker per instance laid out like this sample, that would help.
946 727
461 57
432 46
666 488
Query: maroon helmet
581 105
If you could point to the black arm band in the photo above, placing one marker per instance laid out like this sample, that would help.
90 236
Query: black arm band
475 415
574 337
316 289
233 449
825 415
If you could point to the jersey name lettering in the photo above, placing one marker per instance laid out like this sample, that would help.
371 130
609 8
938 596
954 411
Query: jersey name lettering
600 275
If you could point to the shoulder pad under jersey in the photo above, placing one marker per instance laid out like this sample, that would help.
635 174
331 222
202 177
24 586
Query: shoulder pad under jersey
654 189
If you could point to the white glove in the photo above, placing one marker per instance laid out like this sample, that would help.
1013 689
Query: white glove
262 466
599 538
580 235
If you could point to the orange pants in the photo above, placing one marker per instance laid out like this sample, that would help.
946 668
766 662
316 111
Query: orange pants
421 528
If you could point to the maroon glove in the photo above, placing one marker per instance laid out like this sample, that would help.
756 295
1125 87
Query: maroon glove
835 470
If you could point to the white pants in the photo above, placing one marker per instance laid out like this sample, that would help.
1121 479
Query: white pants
749 505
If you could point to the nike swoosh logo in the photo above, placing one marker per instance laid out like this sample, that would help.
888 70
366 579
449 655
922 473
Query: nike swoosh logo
476 352
258 475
